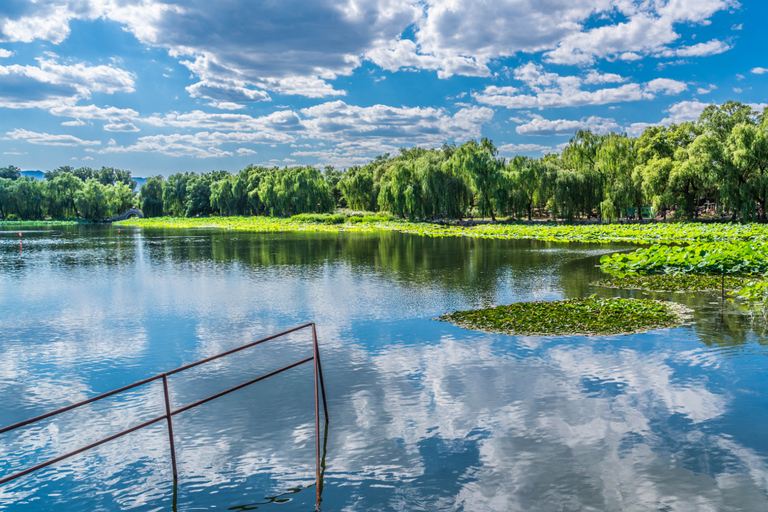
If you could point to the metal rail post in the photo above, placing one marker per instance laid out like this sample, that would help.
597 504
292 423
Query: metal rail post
170 427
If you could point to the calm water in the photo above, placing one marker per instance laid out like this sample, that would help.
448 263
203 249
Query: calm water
424 415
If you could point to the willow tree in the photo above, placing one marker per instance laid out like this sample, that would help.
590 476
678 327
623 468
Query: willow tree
62 190
151 197
616 158
481 167
747 149
400 191
359 188
295 190
711 153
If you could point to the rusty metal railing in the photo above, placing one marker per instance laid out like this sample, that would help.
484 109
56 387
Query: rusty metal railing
169 412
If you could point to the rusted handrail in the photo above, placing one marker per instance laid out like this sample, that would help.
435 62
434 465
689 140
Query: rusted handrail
169 412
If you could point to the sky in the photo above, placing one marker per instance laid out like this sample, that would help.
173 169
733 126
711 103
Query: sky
159 87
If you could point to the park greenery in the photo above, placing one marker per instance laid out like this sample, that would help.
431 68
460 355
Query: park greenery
589 316
718 165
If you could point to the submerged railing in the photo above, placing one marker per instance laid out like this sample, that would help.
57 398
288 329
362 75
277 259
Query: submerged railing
169 412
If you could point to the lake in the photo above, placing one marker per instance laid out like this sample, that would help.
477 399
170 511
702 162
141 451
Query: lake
423 415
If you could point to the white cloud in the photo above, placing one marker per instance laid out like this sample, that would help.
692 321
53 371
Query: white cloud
245 151
273 127
4 54
293 47
94 112
46 139
666 85
540 126
759 71
713 47
707 90
198 145
595 77
637 129
684 111
51 84
226 105
648 29
76 122
551 90
120 127
339 121
515 149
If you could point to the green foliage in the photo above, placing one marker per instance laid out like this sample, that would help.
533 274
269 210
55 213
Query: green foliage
359 188
586 316
295 190
717 258
675 282
322 218
151 197
756 295
10 172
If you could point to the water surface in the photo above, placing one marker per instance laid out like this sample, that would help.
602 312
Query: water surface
424 415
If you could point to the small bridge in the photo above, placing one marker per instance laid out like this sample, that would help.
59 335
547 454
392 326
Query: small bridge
130 212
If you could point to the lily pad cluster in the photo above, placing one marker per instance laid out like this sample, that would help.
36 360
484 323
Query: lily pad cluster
675 282
583 316
714 258
666 233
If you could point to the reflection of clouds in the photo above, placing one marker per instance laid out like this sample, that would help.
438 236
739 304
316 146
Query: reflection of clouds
468 420
547 442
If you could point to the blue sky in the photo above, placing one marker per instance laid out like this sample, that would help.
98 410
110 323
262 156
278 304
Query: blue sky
158 87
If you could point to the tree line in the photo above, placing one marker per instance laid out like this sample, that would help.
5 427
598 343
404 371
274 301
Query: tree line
720 160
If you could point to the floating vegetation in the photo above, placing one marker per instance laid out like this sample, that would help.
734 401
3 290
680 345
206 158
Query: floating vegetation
33 223
714 258
589 316
596 233
675 282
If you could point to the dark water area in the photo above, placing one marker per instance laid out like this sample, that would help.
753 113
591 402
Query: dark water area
423 415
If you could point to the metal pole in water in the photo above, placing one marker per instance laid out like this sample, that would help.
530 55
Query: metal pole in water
317 430
170 428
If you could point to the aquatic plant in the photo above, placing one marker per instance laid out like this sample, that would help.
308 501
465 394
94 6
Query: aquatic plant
589 316
33 223
661 233
716 258
675 282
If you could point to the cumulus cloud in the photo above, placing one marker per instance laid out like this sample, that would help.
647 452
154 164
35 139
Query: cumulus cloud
51 84
274 125
649 29
540 126
397 125
515 149
682 112
713 47
46 139
120 127
595 77
4 54
241 58
550 90
759 71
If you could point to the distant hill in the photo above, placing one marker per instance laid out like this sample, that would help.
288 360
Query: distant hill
38 175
